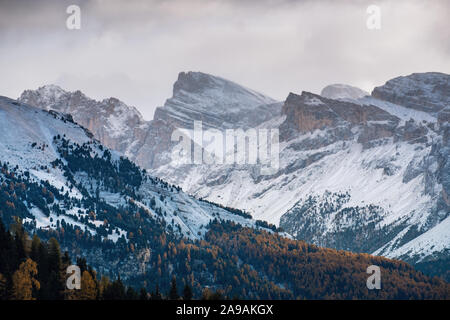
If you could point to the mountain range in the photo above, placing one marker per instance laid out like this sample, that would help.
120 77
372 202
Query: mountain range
65 187
358 172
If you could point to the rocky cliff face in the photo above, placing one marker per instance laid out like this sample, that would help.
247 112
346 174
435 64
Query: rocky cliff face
197 96
309 112
111 121
429 92
364 174
361 174
217 102
387 131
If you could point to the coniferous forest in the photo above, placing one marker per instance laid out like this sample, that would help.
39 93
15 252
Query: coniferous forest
153 259
32 269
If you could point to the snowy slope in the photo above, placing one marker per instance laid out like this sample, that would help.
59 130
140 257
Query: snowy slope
218 102
390 169
427 91
433 241
28 141
386 155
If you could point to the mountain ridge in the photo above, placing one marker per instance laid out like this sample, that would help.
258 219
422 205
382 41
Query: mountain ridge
100 206
364 147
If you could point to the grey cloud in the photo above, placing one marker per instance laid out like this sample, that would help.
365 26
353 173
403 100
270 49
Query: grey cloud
134 49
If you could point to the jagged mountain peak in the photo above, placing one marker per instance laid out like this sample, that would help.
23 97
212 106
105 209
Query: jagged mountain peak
192 81
308 112
343 91
46 95
429 91
215 101
306 97
387 174
52 89
110 120
53 97
34 139
209 85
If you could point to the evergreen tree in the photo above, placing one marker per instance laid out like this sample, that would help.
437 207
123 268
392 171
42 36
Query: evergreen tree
3 288
157 294
43 271
187 292
173 293
103 286
82 264
25 285
143 295
115 291
56 283
35 244
131 294
88 287
20 238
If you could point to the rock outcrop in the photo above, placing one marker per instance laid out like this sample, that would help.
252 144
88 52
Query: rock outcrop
367 173
309 112
428 92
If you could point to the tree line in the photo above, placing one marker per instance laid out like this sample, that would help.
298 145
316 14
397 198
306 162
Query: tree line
32 269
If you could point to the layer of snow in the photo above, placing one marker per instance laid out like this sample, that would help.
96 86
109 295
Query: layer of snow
432 241
397 110
343 91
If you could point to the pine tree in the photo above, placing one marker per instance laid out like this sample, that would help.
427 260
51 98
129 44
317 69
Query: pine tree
143 295
88 287
3 288
157 294
56 280
35 244
187 292
20 237
43 271
82 264
24 283
115 291
173 294
103 286
131 294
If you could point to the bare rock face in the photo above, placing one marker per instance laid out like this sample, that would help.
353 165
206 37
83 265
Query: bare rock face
428 92
413 132
444 116
217 102
368 173
111 121
197 96
308 112
444 157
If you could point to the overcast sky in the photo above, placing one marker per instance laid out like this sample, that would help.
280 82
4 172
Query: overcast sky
133 50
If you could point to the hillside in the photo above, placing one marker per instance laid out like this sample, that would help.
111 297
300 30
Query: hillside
101 206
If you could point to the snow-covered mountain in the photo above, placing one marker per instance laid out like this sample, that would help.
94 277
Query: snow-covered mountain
343 91
427 92
111 121
217 102
367 173
356 172
71 181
